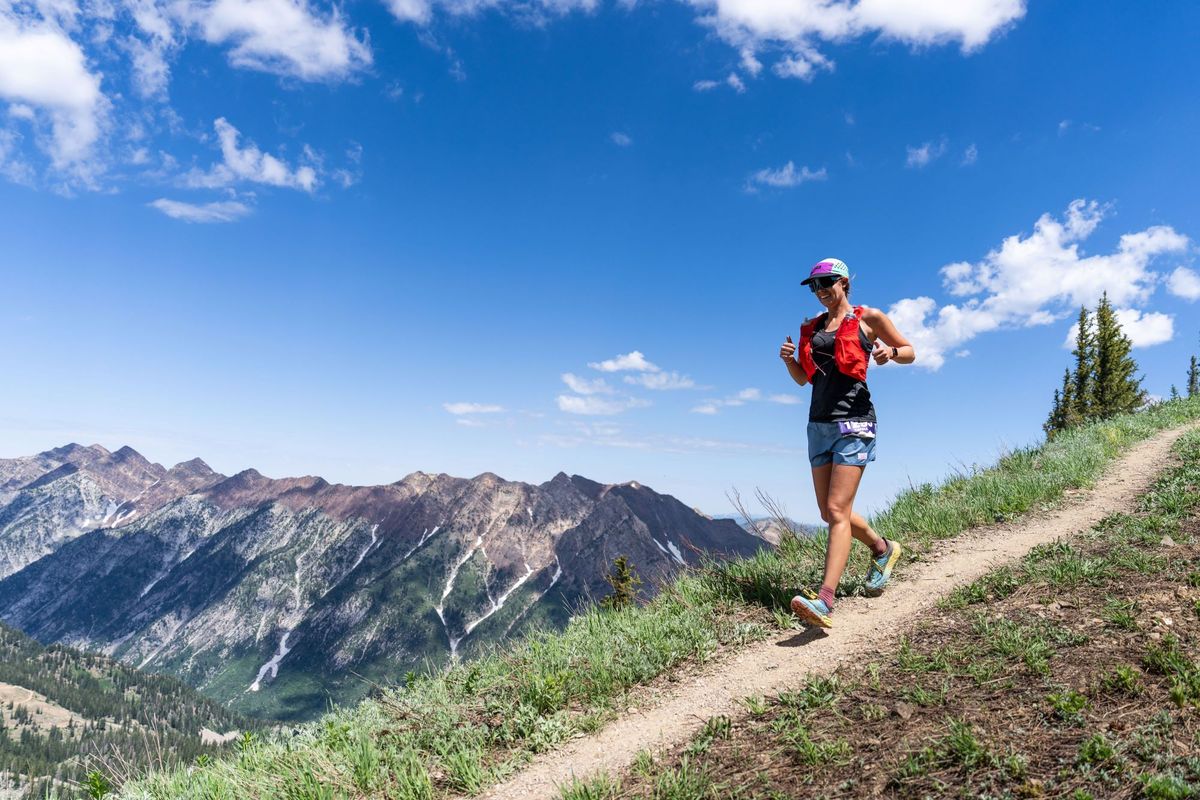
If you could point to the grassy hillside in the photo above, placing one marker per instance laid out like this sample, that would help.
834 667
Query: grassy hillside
464 729
64 712
1074 674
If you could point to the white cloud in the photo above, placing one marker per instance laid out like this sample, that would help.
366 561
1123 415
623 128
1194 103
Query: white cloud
1184 283
472 408
785 399
225 211
920 157
787 176
734 82
705 85
584 386
45 71
621 139
283 37
1146 329
970 155
750 62
661 381
469 422
593 405
706 408
1038 279
802 64
251 164
797 27
1143 329
634 361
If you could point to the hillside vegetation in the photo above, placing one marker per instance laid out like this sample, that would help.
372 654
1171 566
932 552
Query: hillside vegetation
63 711
463 729
1075 673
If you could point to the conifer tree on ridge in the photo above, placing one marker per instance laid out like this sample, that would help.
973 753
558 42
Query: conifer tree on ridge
1117 388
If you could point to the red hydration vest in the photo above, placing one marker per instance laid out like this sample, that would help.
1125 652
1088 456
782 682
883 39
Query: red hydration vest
848 352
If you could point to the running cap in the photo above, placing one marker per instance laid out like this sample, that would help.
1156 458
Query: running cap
827 266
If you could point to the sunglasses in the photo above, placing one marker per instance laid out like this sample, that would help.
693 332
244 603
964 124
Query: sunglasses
823 282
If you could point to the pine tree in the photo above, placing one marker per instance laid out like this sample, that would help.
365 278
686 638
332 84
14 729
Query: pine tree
1085 366
624 580
1053 423
1174 392
1063 415
1193 384
1117 388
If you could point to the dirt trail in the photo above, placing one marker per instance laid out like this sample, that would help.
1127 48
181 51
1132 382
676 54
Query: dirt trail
864 627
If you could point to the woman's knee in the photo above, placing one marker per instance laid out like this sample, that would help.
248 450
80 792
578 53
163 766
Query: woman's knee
836 512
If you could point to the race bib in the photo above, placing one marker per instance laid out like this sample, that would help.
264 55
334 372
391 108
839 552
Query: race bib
861 429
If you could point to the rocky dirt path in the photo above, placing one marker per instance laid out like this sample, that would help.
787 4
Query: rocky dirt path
865 627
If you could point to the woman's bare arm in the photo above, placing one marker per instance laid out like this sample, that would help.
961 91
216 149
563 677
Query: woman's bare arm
885 331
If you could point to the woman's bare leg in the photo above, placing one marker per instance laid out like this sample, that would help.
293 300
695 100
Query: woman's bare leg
859 528
839 508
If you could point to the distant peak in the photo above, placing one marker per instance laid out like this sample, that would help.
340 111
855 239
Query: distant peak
249 475
196 466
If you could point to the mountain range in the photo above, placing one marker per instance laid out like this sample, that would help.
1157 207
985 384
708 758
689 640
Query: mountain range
278 596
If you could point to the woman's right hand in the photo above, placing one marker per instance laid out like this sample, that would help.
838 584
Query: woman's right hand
787 350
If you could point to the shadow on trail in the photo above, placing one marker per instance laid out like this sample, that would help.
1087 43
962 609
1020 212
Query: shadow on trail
802 638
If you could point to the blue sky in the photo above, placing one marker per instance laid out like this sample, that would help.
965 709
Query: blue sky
364 239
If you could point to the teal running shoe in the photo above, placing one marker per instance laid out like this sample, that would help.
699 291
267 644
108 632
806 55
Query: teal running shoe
880 571
812 610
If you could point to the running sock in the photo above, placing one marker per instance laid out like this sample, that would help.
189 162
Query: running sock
826 596
880 548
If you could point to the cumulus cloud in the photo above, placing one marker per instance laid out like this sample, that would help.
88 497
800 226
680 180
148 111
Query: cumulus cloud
621 139
705 85
283 37
1143 329
597 397
250 164
224 211
1184 283
970 155
786 177
1038 279
735 82
46 72
634 361
926 154
796 28
472 408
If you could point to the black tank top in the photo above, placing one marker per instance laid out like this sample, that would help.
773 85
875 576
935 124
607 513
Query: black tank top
836 396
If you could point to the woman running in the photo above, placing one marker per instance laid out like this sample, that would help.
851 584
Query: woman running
833 352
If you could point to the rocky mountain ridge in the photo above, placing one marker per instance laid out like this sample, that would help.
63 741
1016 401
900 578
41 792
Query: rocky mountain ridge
277 595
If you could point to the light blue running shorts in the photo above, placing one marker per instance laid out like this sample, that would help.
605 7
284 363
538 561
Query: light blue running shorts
850 443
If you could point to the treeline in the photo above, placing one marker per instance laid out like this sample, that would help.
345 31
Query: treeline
126 716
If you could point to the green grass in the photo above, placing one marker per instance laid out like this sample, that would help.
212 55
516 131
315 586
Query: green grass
464 729
1069 711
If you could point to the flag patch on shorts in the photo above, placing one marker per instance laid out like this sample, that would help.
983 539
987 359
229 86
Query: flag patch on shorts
862 456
